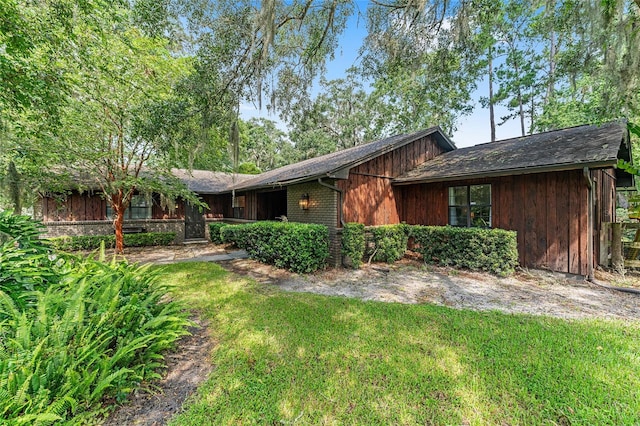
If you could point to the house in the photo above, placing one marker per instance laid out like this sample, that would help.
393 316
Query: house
87 213
554 188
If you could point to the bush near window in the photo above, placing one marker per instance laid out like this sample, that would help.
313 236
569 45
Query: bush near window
214 232
298 247
92 242
75 332
353 243
388 243
491 250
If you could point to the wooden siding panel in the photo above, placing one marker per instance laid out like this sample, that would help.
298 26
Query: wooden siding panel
548 211
531 211
574 224
518 208
542 219
584 225
551 222
562 222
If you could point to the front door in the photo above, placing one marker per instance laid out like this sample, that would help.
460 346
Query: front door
193 222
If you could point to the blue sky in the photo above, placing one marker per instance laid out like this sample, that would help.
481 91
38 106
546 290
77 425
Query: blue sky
472 129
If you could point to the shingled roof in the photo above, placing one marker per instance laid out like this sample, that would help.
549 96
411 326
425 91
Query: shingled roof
331 165
207 182
565 149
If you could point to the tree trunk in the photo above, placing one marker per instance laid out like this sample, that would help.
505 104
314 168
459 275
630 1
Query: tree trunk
492 119
118 208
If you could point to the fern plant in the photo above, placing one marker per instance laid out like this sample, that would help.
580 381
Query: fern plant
75 331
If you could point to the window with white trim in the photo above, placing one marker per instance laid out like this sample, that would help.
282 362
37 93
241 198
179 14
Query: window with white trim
470 205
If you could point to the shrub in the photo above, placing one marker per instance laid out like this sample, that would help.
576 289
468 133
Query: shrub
491 250
90 331
22 230
299 247
214 232
353 243
389 242
92 242
234 234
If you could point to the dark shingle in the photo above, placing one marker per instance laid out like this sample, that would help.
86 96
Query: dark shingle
326 165
207 182
565 149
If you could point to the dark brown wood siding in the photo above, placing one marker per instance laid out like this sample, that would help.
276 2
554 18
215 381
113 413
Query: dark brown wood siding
87 206
219 205
369 197
74 207
549 211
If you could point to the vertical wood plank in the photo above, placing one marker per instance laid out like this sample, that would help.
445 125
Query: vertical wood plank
531 211
542 218
584 227
551 222
519 204
574 224
562 223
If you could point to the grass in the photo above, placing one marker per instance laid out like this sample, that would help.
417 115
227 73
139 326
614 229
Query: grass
285 358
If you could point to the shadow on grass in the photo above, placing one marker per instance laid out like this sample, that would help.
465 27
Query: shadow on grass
286 358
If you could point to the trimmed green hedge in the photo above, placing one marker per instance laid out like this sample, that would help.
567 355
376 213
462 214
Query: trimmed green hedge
91 242
389 242
491 250
298 247
353 243
233 234
214 232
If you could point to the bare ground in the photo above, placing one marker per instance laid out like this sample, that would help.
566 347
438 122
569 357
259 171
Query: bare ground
408 281
188 367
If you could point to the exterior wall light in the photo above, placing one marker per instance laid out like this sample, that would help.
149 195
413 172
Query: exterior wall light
304 202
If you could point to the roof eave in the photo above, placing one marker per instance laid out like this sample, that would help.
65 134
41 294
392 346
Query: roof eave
342 172
508 172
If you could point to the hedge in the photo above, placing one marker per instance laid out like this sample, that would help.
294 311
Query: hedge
353 243
388 242
298 247
214 232
491 250
91 242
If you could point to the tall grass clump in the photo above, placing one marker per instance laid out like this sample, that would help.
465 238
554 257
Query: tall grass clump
75 331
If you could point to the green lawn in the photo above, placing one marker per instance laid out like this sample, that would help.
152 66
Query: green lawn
284 358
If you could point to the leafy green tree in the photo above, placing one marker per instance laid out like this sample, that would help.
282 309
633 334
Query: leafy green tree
263 144
420 72
110 141
343 115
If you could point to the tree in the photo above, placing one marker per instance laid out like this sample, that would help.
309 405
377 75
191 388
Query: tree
263 144
341 116
35 45
421 74
112 139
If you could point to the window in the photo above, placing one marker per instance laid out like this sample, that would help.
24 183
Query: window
238 204
470 206
140 208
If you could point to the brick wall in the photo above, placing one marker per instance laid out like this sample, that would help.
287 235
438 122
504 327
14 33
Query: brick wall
323 209
105 227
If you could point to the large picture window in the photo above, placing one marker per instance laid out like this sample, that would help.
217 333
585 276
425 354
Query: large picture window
470 205
140 208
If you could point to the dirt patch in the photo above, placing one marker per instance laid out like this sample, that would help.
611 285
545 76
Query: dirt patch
410 281
188 366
